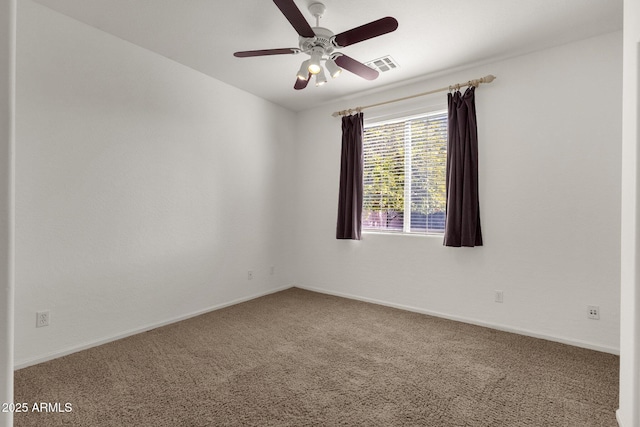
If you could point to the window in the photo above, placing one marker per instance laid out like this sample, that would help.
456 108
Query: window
405 174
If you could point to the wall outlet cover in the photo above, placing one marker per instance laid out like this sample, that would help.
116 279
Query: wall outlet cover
593 312
42 318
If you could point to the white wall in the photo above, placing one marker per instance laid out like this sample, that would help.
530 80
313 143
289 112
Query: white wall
145 190
7 112
137 202
549 132
629 412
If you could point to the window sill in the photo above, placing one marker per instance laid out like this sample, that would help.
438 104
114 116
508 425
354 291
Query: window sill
401 233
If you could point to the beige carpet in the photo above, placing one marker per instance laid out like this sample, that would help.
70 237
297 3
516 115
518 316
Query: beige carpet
299 358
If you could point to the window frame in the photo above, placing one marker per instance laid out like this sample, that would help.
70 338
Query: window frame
398 117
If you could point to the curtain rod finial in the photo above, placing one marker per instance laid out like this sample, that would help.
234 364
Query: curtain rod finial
488 79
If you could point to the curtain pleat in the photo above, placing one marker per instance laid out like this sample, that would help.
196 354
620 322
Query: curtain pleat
351 186
462 227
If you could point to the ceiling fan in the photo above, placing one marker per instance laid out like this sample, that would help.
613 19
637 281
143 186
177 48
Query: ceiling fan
321 44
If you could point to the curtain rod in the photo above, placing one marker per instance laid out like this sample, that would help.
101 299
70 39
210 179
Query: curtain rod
486 79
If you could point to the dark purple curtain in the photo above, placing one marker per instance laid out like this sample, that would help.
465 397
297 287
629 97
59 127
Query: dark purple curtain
462 227
350 195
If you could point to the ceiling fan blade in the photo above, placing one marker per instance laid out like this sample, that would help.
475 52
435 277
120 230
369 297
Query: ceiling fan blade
356 67
264 52
367 31
301 84
295 17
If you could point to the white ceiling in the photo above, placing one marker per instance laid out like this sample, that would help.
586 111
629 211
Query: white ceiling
433 35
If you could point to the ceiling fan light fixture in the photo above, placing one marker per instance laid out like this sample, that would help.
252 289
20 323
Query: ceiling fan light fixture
333 68
314 68
303 72
314 62
321 78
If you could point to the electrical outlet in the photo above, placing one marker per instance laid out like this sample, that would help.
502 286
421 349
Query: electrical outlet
272 270
499 296
593 312
250 275
42 319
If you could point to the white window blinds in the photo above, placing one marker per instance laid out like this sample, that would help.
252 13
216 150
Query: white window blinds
404 174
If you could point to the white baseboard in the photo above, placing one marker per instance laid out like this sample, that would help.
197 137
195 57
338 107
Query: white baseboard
618 418
90 344
54 355
533 334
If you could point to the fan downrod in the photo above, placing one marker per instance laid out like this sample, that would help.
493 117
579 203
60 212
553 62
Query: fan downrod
324 38
317 10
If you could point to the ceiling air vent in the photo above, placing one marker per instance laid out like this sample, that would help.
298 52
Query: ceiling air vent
386 63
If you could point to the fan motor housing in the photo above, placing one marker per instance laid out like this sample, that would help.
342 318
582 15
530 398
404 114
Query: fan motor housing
323 39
